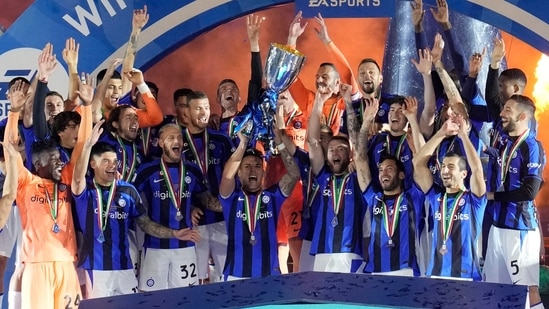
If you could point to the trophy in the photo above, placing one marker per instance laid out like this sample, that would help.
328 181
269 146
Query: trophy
281 68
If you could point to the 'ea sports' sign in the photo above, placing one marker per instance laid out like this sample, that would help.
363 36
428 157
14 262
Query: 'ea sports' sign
102 27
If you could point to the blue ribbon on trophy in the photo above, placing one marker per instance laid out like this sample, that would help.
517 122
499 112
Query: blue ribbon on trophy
281 69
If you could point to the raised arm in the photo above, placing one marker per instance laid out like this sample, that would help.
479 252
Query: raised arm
10 183
422 174
353 124
101 90
441 15
493 98
410 112
78 183
478 185
343 67
227 185
449 86
288 181
70 56
316 154
299 92
427 119
151 115
29 103
47 63
281 138
253 24
139 20
85 93
361 149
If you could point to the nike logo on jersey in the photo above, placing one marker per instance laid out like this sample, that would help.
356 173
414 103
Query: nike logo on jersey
240 198
157 180
515 282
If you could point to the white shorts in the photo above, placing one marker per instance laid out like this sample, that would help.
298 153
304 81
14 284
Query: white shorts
104 283
167 268
11 233
512 260
336 262
306 260
213 241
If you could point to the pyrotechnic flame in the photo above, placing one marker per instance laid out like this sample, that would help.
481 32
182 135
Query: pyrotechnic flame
541 88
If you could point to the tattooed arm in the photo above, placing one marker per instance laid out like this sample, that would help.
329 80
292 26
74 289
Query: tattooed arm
208 201
140 18
154 229
361 151
353 125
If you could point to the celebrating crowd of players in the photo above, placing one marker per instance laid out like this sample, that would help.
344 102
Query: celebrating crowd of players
360 180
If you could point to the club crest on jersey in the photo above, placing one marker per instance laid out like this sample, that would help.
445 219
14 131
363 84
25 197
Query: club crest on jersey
381 112
461 202
298 124
265 199
187 179
122 202
515 154
211 146
62 187
150 282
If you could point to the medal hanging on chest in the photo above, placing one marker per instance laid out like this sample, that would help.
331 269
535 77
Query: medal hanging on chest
176 199
391 219
338 194
252 214
54 207
103 208
447 219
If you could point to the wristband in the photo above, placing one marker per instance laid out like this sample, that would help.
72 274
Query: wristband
143 88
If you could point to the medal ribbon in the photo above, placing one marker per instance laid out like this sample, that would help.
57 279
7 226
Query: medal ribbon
399 145
447 223
54 205
127 174
231 126
291 117
507 155
145 139
203 164
176 200
333 114
312 190
392 221
337 192
103 208
251 213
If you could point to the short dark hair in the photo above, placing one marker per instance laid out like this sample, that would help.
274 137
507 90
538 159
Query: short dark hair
525 103
331 65
54 93
389 156
15 79
2 131
253 152
370 60
226 80
181 92
114 116
101 75
61 121
100 148
341 138
41 146
462 162
515 75
196 95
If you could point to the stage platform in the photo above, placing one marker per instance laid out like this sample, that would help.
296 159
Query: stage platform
326 290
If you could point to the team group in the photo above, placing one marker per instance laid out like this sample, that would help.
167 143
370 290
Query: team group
115 198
